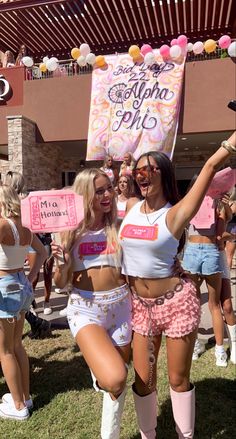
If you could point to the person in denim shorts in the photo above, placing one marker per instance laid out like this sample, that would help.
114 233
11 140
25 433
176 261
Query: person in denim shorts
15 299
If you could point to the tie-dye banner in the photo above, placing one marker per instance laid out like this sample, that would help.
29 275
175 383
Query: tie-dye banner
134 107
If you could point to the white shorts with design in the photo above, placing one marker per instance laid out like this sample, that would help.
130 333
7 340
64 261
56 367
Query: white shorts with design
109 309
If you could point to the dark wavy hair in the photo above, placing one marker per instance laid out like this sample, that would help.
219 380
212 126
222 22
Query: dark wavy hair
169 184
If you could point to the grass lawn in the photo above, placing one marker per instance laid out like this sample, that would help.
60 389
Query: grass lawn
67 407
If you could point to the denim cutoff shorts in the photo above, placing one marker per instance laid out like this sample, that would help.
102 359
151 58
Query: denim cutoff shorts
201 259
16 295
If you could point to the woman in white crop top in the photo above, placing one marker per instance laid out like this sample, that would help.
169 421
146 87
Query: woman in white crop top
99 308
15 300
126 191
163 301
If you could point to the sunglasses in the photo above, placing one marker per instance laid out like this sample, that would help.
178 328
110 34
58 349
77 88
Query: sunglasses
145 171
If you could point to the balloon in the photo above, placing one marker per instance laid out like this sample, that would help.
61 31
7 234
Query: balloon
164 51
52 64
138 58
90 59
75 53
174 42
224 42
190 47
232 49
149 58
198 47
42 67
81 61
100 61
134 51
182 41
175 51
45 59
27 61
210 46
84 49
146 48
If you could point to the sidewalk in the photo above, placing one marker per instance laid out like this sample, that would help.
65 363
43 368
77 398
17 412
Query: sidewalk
59 301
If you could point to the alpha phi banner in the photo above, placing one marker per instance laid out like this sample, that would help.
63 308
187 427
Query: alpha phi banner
134 107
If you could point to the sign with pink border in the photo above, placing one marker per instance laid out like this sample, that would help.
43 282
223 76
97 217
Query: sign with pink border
52 211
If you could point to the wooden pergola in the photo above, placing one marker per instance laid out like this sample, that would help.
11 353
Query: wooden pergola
54 27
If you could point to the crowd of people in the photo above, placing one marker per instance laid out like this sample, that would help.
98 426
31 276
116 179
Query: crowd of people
127 284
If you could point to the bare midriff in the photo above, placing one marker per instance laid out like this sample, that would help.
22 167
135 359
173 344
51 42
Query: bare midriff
98 279
202 239
6 272
152 288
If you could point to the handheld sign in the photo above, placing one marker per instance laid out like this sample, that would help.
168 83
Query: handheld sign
52 211
222 182
205 216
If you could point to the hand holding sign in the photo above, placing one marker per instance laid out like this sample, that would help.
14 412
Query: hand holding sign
222 182
52 211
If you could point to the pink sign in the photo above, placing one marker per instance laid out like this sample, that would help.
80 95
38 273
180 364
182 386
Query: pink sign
52 211
222 182
205 217
148 233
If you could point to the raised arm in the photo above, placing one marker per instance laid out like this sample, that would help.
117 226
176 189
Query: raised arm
180 215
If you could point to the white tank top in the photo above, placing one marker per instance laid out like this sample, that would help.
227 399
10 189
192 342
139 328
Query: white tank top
121 209
13 256
148 247
91 250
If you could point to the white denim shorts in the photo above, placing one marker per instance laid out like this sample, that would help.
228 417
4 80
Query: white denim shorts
110 309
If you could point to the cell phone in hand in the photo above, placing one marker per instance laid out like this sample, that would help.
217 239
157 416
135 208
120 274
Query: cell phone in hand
232 105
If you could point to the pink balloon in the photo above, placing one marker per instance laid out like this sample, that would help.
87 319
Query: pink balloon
224 42
198 47
146 48
174 42
182 40
164 51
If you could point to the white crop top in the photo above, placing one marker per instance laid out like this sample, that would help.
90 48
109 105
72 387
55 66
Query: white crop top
121 209
91 250
13 256
148 249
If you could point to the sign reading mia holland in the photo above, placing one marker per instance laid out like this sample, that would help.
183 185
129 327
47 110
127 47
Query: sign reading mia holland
52 211
134 107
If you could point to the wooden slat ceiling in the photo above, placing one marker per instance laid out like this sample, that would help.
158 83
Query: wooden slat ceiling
54 27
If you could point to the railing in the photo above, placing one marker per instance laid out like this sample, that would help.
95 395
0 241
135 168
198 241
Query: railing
71 68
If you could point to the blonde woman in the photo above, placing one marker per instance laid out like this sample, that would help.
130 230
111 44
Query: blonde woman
127 165
15 299
99 308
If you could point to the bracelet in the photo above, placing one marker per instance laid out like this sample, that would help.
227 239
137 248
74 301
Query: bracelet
230 148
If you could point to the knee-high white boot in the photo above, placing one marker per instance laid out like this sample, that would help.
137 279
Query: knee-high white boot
111 415
146 410
183 406
232 342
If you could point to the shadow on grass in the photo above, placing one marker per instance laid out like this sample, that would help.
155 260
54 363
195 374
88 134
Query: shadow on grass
215 412
50 378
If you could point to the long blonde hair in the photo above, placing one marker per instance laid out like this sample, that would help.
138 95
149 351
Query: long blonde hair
9 202
16 180
84 185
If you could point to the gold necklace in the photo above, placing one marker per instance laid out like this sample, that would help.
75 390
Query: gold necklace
158 216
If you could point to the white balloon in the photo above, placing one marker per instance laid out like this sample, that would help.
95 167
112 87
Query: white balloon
81 61
175 51
45 59
90 59
27 61
84 49
52 64
198 47
149 58
232 49
190 47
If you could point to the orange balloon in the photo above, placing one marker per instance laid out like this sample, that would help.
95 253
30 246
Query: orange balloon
75 53
134 51
100 61
210 46
42 67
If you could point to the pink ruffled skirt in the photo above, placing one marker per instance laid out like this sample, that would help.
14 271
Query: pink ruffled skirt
175 313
